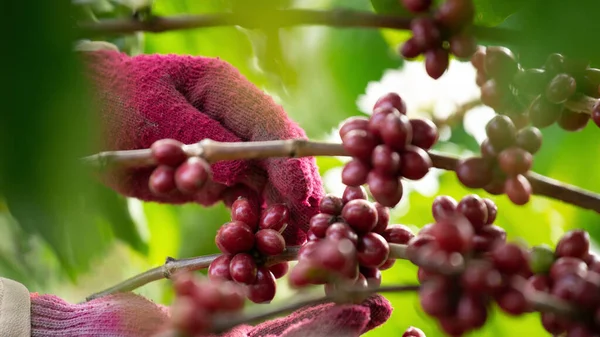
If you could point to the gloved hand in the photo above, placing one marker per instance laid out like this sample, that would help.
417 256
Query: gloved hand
130 315
149 97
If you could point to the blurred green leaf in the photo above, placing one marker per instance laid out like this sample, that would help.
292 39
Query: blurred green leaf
113 208
199 226
335 68
390 7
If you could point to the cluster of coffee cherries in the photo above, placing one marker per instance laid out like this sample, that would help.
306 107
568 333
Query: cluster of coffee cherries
440 34
197 301
506 155
386 147
176 172
465 263
348 243
572 274
537 95
413 332
246 241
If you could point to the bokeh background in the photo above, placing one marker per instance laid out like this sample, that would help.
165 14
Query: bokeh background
63 233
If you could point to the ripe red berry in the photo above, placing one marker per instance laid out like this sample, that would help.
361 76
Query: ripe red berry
242 268
162 180
573 121
518 189
443 206
509 258
414 163
501 132
275 217
360 215
319 224
373 250
168 152
279 270
354 192
474 209
543 113
359 144
500 63
383 218
219 268
410 49
395 131
235 237
384 160
474 172
575 243
339 231
425 32
355 172
353 123
330 204
263 289
560 88
242 210
436 62
453 234
192 175
391 100
455 14
417 6
515 160
269 242
386 189
413 332
425 133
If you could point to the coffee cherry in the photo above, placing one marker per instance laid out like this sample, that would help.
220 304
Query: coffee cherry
492 211
351 193
340 231
355 172
353 123
378 119
263 289
162 180
529 139
478 60
425 133
474 209
471 311
414 163
391 100
474 172
509 258
410 49
425 32
279 270
386 189
168 152
453 234
330 204
530 81
433 298
518 189
242 210
543 113
373 250
275 217
242 268
413 332
235 237
384 160
554 63
463 45
566 266
436 62
488 237
269 242
455 14
360 215
515 161
500 63
560 88
596 113
319 224
575 243
192 175
512 302
383 218
417 6
359 144
219 268
396 131
501 132
573 121
399 234
443 206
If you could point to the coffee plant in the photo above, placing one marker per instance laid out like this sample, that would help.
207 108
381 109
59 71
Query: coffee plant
197 130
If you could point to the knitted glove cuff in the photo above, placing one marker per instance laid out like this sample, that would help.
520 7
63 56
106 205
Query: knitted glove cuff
14 309
123 315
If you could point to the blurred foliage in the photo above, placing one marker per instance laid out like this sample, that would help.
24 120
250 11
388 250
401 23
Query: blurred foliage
63 233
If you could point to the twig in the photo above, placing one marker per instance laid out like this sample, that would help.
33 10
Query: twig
276 18
214 151
173 266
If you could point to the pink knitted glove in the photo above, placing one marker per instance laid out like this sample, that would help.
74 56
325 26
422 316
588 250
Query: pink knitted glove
130 315
151 97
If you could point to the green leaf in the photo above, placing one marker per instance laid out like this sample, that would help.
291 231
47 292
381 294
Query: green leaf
113 208
494 12
199 226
